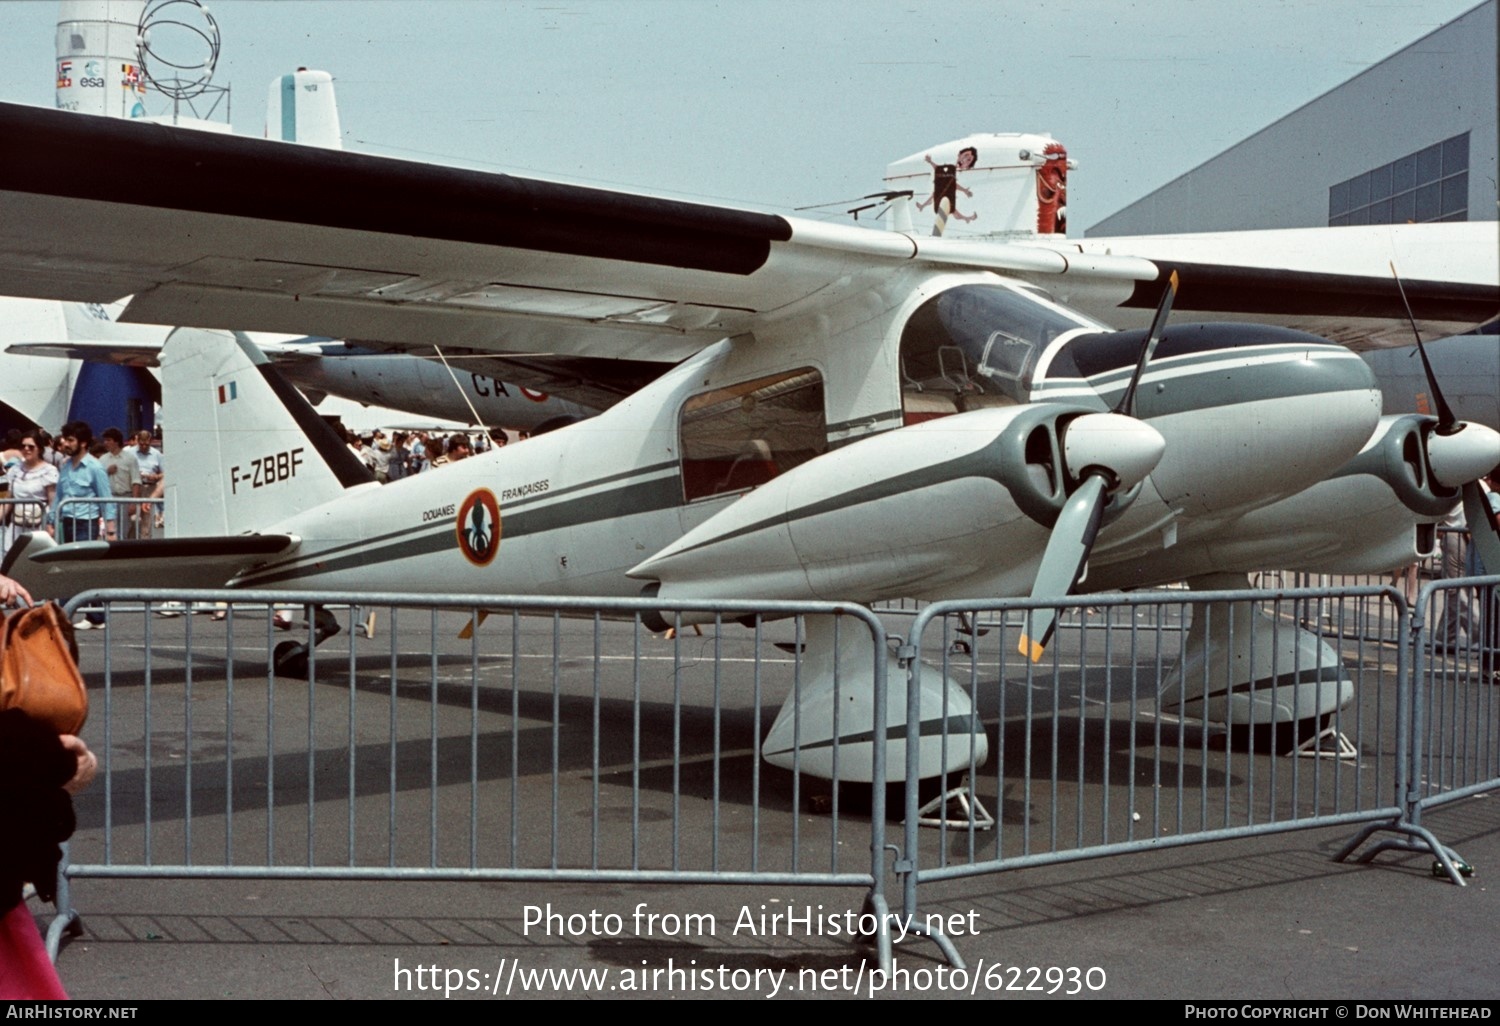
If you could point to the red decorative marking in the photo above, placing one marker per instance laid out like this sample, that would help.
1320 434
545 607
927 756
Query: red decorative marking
478 527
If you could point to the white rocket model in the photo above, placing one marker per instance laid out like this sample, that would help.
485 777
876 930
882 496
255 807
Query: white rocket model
301 108
98 71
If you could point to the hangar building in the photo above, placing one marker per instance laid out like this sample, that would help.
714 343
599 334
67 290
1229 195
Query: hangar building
1412 138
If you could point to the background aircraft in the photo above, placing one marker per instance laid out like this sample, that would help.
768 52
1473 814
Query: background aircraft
858 414
401 386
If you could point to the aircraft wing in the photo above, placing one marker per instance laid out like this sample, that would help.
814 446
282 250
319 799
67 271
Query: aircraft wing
249 234
1333 282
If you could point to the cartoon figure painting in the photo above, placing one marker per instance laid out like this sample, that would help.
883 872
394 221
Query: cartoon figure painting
1052 191
945 189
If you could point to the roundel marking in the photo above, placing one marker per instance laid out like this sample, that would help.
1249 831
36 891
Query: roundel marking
534 396
478 527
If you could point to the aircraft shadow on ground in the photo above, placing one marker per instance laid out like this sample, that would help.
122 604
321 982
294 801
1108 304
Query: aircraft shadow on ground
500 734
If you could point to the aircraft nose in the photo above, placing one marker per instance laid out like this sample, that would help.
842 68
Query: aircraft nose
1127 448
1465 455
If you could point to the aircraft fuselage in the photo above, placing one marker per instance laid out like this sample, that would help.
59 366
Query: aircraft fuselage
1250 419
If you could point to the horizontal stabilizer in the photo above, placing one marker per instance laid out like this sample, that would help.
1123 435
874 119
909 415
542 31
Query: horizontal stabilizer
126 354
52 571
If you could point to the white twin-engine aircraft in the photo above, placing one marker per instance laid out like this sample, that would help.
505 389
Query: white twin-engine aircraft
854 414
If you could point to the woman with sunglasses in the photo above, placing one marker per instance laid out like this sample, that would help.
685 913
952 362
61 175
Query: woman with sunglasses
33 483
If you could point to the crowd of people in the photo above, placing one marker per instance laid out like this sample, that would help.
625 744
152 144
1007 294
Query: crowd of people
52 484
405 453
51 477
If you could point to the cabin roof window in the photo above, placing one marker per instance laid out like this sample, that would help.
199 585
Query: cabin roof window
981 341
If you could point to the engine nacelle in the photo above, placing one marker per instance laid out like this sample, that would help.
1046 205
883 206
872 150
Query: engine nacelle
907 511
1425 468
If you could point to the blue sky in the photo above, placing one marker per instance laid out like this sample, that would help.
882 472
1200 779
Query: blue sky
776 105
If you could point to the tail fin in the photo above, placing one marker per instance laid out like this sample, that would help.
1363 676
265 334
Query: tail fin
302 108
244 449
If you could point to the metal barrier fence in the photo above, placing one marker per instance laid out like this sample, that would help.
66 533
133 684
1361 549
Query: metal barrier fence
562 740
1101 748
123 519
1453 636
1455 705
558 741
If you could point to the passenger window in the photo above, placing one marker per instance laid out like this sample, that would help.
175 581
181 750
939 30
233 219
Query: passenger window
742 435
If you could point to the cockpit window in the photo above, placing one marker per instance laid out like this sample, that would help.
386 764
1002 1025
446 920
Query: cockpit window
978 342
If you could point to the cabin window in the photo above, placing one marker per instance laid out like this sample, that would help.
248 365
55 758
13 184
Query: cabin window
742 435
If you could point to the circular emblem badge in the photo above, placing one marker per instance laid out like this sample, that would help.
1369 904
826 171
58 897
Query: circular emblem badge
534 396
478 527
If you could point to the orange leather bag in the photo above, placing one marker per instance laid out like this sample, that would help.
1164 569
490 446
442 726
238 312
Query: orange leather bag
39 668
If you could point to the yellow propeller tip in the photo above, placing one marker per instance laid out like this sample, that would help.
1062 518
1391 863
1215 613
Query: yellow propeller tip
1030 649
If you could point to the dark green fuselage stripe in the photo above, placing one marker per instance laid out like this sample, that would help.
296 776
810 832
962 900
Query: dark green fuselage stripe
422 544
532 500
979 463
1218 383
1264 686
956 727
640 497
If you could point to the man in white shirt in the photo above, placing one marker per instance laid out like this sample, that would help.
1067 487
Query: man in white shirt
124 474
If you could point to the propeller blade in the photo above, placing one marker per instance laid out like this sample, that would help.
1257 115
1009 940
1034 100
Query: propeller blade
1481 516
1445 413
1063 561
1148 347
473 624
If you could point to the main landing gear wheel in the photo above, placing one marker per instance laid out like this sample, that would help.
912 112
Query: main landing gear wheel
290 658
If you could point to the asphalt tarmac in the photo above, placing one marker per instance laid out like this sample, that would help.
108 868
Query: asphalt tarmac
1260 918
1268 919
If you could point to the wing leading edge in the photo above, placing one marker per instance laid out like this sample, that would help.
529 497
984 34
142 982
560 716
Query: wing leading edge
256 235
